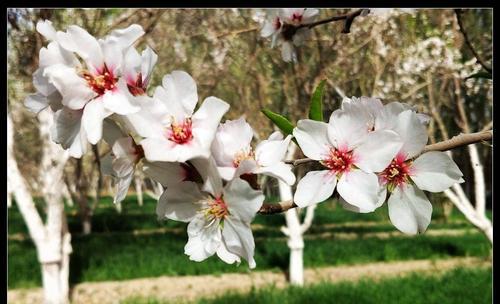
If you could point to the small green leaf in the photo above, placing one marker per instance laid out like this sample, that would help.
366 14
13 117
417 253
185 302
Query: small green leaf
485 75
316 107
280 121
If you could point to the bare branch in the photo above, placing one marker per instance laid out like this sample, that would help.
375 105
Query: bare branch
276 208
458 13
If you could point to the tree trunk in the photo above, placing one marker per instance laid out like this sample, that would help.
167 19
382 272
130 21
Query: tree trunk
138 180
52 240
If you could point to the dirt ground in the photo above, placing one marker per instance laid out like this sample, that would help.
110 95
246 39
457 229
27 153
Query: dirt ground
193 287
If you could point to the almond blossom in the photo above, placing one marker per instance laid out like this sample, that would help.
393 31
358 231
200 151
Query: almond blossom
219 218
122 160
351 151
284 27
231 148
409 173
174 133
95 87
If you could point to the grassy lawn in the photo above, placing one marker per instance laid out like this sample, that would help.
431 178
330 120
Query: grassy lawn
113 253
412 289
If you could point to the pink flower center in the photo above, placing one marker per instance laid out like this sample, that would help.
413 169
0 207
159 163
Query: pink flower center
243 155
137 87
397 173
297 18
339 161
217 209
102 82
180 133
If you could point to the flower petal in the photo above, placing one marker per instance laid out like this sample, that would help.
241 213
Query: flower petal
347 128
381 199
279 170
239 239
203 240
378 149
179 93
312 137
206 119
127 36
111 131
78 40
119 101
227 256
288 52
409 209
435 172
270 152
73 88
68 132
93 115
242 201
359 189
412 133
36 102
232 137
314 187
179 203
166 173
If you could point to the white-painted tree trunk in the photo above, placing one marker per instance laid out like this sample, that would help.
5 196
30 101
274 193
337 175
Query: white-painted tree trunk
294 230
476 214
52 240
138 180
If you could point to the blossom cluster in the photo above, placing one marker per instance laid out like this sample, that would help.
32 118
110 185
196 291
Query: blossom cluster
98 89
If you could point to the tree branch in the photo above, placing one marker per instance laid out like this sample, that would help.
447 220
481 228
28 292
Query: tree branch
458 12
348 19
455 142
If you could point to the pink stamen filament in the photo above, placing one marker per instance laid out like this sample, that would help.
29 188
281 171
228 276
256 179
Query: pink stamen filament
338 161
397 173
181 133
217 208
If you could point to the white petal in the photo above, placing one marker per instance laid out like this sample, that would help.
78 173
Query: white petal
36 102
435 172
412 132
126 36
146 122
149 59
111 132
267 30
67 131
122 185
85 45
312 137
113 55
314 187
409 209
166 173
203 240
242 201
93 115
232 137
239 239
206 168
124 147
45 28
42 84
73 88
279 170
348 128
118 101
359 189
179 203
378 149
162 149
179 93
381 199
227 256
276 135
270 152
206 119
226 173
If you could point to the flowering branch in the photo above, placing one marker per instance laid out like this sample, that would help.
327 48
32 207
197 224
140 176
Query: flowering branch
458 13
455 142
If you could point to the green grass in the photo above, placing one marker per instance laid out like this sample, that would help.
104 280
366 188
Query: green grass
461 285
125 256
113 253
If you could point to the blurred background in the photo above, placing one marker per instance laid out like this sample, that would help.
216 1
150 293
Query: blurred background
122 253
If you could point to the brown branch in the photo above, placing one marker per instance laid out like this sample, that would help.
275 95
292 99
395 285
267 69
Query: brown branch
455 142
458 12
280 207
348 19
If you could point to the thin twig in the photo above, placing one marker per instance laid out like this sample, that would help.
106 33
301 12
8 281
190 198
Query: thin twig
348 19
458 12
455 142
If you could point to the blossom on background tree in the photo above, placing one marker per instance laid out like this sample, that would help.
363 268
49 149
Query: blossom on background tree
283 26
